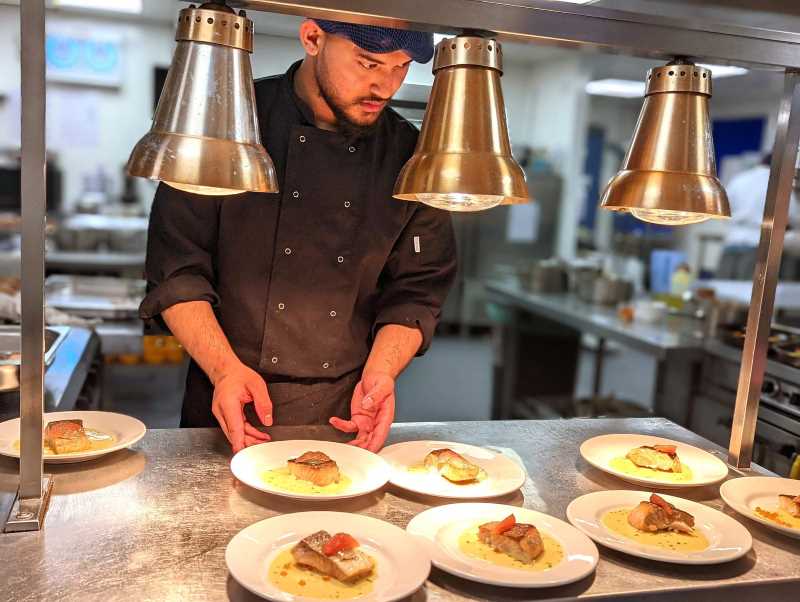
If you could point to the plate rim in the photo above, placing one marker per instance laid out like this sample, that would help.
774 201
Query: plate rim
77 457
498 582
683 560
788 531
522 477
642 481
333 514
310 497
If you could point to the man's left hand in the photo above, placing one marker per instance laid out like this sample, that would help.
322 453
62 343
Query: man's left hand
372 411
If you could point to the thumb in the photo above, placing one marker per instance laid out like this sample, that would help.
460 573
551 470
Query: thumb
261 399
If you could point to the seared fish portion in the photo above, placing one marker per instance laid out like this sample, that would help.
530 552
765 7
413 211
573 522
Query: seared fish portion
315 467
520 541
657 457
790 504
659 515
452 466
337 556
66 436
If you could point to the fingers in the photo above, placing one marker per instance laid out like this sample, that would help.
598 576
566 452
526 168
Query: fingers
221 419
234 417
383 425
261 399
253 433
250 441
346 426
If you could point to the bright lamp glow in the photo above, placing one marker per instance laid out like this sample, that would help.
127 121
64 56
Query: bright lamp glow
205 190
718 71
619 88
454 201
116 6
667 217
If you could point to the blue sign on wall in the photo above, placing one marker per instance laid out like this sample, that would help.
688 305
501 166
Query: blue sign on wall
84 59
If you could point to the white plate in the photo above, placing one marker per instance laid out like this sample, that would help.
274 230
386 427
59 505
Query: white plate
126 429
402 565
504 475
745 493
728 539
706 468
367 471
443 526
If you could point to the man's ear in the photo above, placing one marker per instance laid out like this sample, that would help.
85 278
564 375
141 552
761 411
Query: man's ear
311 37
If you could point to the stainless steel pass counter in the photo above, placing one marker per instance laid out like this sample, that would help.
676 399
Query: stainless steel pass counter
152 523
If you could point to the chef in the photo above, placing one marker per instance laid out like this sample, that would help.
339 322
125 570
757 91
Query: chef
310 302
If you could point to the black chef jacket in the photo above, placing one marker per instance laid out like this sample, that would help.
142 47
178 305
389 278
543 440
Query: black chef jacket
301 280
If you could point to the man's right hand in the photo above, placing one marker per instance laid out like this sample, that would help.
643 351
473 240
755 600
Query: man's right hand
235 388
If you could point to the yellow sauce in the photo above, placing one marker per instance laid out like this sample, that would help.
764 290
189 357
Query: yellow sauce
97 440
422 469
471 545
283 479
780 517
617 521
293 579
626 466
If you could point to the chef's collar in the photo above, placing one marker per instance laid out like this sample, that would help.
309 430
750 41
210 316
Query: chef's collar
304 112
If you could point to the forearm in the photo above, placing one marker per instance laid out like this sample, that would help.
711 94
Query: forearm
394 348
196 327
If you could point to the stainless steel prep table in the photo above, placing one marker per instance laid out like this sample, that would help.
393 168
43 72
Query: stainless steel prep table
677 344
152 523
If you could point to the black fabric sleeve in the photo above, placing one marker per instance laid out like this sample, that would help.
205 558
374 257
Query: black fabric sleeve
181 245
418 274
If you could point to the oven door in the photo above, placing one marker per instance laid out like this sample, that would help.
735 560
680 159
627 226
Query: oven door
777 443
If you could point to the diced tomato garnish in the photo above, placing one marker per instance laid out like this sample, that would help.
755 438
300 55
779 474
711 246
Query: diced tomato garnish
661 502
667 449
339 542
504 525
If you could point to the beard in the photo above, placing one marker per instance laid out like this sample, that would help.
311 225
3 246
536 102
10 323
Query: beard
350 129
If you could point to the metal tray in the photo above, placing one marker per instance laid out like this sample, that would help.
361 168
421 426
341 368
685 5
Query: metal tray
10 352
95 296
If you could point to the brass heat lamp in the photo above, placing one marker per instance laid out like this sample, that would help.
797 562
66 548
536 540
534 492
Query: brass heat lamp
463 158
205 138
669 176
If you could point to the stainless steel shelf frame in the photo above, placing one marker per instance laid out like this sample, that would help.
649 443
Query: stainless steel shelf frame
534 21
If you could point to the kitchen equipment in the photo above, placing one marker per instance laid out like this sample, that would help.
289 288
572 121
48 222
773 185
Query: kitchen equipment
602 289
89 232
95 296
548 277
11 357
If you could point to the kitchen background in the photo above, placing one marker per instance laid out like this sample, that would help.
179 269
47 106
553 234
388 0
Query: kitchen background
612 311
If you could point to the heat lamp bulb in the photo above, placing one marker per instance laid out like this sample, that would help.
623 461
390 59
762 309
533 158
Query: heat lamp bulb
454 201
668 217
204 190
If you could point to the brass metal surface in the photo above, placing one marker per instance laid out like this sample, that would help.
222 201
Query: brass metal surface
205 138
669 175
216 24
463 158
152 523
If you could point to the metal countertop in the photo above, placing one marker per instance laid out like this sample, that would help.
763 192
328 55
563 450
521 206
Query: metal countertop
675 334
152 523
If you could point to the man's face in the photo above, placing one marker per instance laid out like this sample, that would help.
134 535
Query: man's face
357 84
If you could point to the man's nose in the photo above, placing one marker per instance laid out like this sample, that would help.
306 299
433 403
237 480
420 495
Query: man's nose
384 86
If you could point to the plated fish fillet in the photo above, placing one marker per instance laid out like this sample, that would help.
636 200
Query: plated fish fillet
66 436
659 515
790 504
519 540
657 457
316 467
337 556
452 466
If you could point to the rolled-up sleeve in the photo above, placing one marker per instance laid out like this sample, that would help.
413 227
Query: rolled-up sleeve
418 274
181 245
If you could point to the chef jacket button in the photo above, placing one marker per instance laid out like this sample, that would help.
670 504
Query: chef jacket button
288 251
352 149
340 259
333 314
296 194
302 138
281 306
347 203
275 359
326 365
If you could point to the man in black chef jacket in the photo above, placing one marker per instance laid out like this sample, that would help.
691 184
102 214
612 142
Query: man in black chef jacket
309 302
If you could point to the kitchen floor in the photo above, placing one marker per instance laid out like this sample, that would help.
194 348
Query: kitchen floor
453 381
